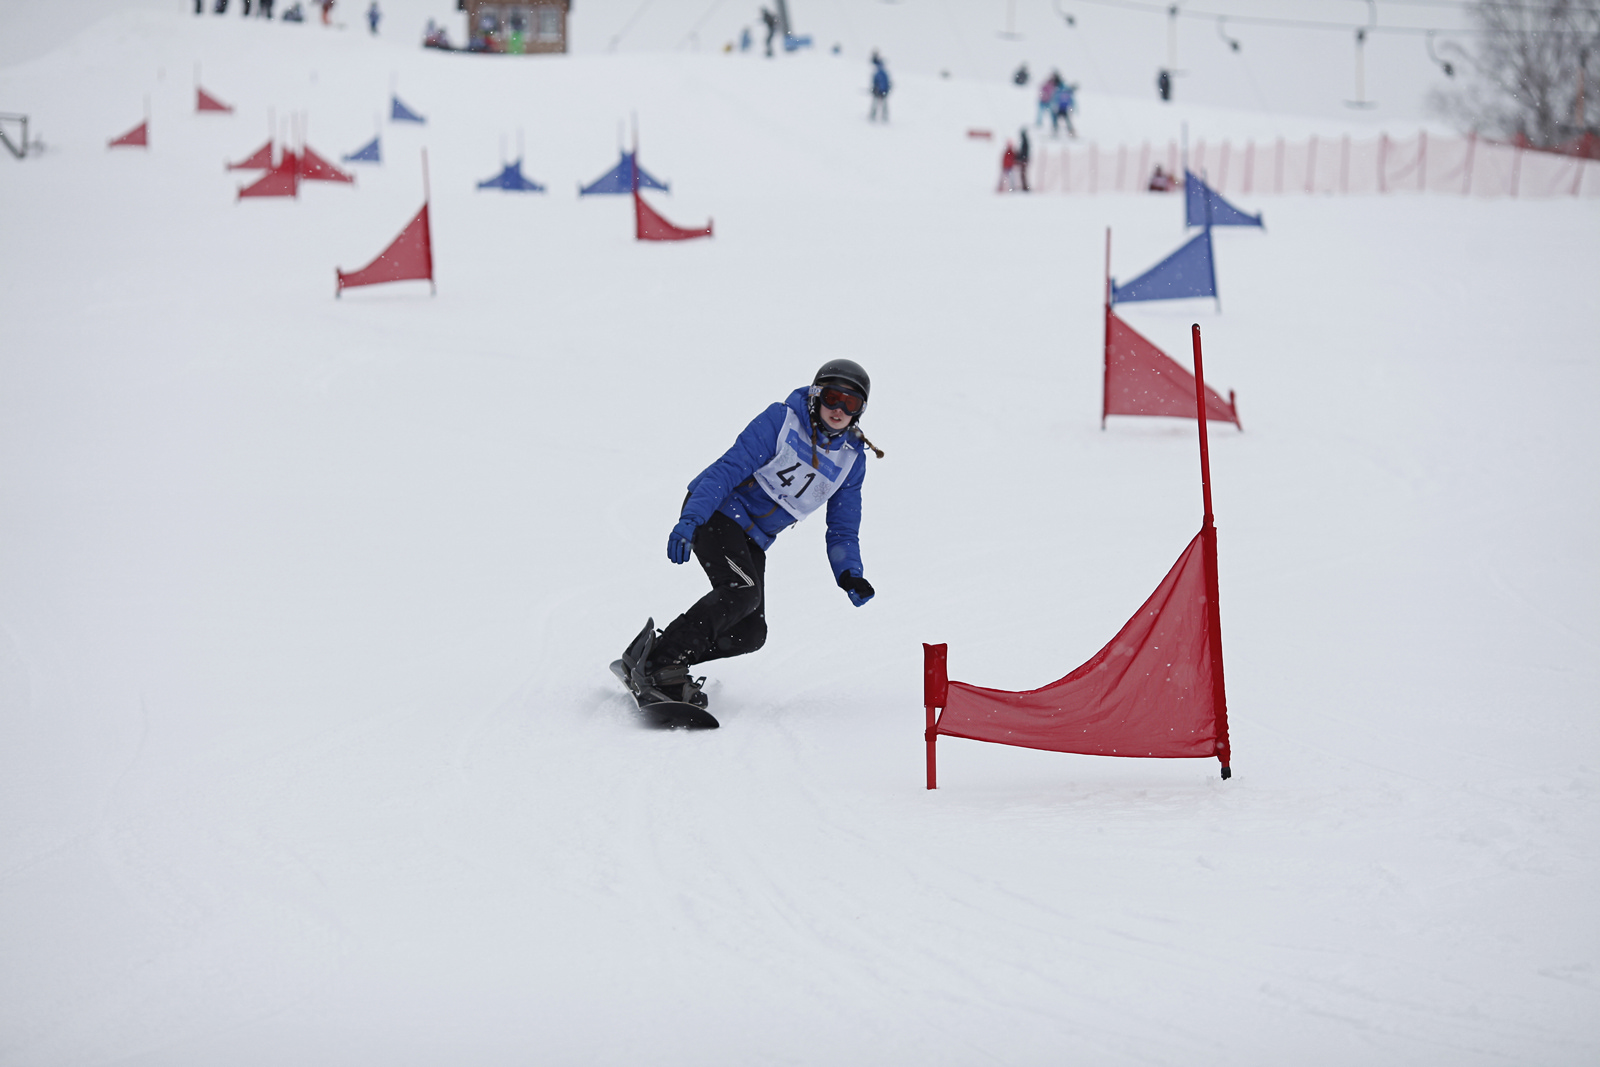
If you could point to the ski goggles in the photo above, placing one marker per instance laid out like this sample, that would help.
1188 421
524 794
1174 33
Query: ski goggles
838 398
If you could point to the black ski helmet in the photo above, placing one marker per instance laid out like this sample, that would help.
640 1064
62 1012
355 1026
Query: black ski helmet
843 374
846 373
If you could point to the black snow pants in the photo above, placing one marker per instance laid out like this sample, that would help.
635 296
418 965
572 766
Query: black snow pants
731 619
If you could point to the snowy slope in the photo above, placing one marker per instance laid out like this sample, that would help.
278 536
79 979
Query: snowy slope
309 751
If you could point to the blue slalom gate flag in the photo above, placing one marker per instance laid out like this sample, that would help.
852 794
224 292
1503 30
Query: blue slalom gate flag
367 153
618 181
398 112
1204 206
1190 271
512 180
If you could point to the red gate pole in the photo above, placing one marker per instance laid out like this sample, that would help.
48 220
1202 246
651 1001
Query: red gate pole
1208 540
935 687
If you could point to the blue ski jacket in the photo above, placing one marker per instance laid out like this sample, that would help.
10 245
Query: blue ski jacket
727 486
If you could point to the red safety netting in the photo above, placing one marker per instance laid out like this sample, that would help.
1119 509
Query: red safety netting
1140 379
282 180
138 137
313 168
1154 691
648 226
204 101
260 159
408 258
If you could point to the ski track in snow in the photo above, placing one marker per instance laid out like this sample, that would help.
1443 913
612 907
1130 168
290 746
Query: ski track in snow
310 753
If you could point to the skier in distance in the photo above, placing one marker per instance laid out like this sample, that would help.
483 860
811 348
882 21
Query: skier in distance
793 457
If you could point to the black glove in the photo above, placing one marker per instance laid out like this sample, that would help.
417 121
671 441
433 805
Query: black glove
860 589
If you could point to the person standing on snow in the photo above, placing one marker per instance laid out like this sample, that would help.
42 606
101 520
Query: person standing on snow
374 16
1047 97
1023 152
771 21
1065 105
1008 169
792 459
880 89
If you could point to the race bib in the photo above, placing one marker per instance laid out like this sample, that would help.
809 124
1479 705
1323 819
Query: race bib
789 477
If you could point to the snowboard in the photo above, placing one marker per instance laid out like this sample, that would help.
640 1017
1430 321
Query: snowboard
667 714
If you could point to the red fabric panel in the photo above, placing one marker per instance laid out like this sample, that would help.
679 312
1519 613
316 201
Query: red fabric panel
648 226
313 168
1147 693
1143 380
138 137
408 258
282 180
260 159
204 101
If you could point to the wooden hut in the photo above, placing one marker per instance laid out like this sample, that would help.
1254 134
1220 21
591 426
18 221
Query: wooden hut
526 27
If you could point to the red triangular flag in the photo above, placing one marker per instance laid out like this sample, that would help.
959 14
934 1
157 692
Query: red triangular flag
204 101
648 226
282 180
409 257
260 159
1143 380
313 168
138 137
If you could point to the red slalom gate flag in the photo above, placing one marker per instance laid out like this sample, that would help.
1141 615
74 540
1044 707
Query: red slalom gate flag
1149 692
313 168
138 137
408 258
204 101
649 226
260 159
1140 379
282 180
1155 691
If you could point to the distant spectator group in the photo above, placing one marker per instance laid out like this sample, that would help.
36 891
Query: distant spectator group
294 13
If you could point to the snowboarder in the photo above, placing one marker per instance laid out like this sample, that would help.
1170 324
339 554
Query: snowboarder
374 16
880 90
793 458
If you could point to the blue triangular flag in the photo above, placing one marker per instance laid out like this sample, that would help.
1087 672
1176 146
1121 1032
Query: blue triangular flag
619 179
400 113
1190 271
1203 206
512 180
368 153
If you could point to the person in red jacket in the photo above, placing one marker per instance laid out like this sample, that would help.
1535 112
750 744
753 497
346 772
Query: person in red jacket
1008 170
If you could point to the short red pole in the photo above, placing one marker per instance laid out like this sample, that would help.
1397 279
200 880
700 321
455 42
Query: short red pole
935 687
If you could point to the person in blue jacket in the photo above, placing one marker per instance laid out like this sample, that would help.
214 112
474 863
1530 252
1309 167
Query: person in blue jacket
793 458
880 90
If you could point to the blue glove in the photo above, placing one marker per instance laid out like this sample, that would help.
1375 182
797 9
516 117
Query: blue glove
860 589
680 542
